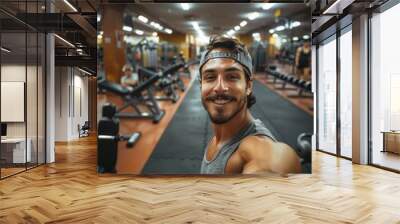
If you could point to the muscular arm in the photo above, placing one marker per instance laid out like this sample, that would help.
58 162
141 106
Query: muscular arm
261 155
297 58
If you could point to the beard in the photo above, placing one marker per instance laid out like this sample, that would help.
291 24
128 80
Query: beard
221 115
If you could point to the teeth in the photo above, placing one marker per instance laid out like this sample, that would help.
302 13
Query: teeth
221 101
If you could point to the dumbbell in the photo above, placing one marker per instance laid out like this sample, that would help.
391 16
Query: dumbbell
304 146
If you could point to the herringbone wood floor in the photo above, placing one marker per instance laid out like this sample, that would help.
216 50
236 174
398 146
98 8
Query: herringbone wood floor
70 191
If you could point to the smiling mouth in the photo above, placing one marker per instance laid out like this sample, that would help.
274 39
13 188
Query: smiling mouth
221 101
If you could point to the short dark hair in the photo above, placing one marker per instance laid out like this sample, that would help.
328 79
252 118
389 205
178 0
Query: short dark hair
233 45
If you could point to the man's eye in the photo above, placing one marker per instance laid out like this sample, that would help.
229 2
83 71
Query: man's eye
209 77
233 76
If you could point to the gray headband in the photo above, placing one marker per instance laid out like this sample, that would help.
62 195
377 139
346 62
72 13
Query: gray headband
241 57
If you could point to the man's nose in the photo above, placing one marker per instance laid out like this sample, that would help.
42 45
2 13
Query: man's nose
220 86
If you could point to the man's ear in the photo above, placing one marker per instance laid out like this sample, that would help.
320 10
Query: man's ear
249 87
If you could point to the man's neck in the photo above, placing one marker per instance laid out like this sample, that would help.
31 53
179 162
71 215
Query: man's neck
225 132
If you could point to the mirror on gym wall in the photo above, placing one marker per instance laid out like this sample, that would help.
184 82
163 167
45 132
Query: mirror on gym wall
198 88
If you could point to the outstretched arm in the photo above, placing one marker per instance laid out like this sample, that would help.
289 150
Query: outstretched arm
261 155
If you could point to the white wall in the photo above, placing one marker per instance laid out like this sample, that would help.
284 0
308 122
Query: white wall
71 102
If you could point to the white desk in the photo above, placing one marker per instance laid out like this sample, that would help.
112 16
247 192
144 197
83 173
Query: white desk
17 146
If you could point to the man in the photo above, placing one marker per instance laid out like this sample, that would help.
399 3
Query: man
241 143
303 61
129 78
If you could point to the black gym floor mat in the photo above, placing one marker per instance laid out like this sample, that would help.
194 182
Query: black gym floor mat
180 149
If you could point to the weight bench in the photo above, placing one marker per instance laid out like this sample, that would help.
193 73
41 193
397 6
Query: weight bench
140 95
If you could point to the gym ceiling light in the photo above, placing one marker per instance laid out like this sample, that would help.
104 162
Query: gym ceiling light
306 37
230 32
295 38
256 36
169 31
143 19
271 31
266 6
237 28
127 28
279 28
253 15
243 23
185 6
139 32
295 24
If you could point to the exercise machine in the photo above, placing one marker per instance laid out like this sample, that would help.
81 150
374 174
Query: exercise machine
108 138
136 98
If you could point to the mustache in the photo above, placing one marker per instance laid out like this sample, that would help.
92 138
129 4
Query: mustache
220 97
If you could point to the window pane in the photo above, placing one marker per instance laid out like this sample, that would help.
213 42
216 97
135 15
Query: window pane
327 96
385 84
346 94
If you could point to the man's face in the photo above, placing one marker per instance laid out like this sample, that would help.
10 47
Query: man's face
224 89
128 72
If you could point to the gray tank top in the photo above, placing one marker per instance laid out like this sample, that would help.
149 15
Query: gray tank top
218 163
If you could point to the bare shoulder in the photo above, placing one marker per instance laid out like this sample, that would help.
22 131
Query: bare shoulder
263 153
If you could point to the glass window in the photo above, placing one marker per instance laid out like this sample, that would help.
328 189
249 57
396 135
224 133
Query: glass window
22 91
385 89
346 94
327 96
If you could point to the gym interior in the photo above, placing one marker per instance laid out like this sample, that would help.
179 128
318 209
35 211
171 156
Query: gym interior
156 112
63 62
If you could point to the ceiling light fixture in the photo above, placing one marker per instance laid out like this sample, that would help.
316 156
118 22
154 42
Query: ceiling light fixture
230 32
306 37
243 23
143 19
127 28
70 5
237 28
64 40
185 6
256 36
169 31
271 31
253 15
295 38
279 28
5 49
266 6
139 32
295 24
